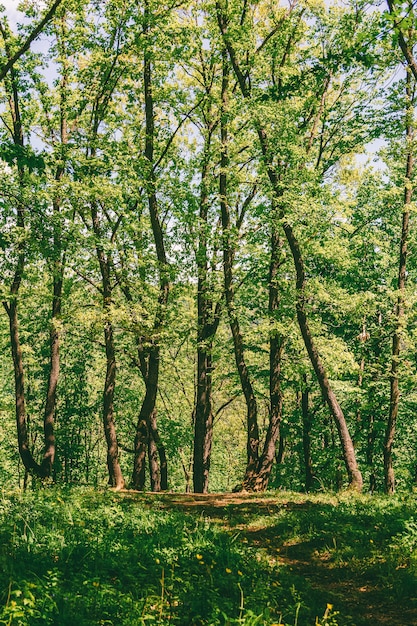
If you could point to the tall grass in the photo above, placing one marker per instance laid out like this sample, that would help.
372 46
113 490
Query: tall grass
80 557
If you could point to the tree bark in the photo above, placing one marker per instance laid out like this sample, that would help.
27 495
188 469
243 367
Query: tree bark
252 445
147 415
307 424
260 479
355 477
116 479
399 313
207 323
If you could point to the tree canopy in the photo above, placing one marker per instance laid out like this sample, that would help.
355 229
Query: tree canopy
207 244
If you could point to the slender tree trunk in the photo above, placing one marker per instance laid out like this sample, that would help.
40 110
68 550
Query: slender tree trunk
22 431
115 473
147 415
114 470
252 446
207 324
307 424
44 469
51 394
143 429
162 469
153 458
58 265
355 477
259 481
396 339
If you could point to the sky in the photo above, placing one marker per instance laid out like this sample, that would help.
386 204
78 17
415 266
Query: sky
11 10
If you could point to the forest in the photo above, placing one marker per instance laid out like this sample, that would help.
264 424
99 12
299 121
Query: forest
208 326
206 245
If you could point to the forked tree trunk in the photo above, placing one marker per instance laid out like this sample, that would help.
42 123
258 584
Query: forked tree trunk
143 428
44 469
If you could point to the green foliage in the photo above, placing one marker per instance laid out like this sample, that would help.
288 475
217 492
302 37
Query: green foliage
103 558
322 86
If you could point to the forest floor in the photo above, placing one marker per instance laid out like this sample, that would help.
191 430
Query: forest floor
95 557
350 587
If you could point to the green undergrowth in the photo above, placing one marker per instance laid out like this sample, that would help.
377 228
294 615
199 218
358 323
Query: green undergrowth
80 557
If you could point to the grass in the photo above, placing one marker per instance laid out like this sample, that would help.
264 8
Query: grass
80 557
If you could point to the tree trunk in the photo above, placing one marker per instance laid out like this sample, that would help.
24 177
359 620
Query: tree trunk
147 414
252 446
307 424
207 324
115 473
203 426
22 431
260 479
114 470
143 429
399 313
58 265
163 464
355 477
50 404
153 458
44 469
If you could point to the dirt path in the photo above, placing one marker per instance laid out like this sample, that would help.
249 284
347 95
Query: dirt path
352 594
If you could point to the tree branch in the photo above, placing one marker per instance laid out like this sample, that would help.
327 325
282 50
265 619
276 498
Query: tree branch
34 34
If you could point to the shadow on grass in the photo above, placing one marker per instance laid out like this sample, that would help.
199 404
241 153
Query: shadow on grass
82 558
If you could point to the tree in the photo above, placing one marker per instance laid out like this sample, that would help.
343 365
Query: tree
355 478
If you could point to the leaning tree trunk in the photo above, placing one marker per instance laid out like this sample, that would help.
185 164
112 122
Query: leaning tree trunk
354 474
355 477
399 313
